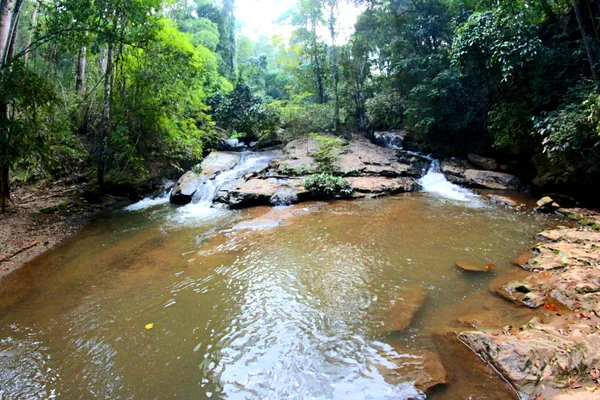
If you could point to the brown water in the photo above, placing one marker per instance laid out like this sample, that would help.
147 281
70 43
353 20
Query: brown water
297 309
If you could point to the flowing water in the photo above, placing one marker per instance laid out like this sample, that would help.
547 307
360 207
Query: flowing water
271 303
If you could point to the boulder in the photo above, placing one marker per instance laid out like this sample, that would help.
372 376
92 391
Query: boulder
547 204
231 145
378 185
492 180
241 193
455 167
390 140
269 139
502 200
213 164
483 162
185 188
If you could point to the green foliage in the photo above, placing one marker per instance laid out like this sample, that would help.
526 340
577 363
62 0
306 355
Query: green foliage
164 112
385 109
300 117
242 112
571 134
327 185
499 38
27 137
508 122
327 153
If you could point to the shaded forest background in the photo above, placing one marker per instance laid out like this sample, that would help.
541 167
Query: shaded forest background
115 92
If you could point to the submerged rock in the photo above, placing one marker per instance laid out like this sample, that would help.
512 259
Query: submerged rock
503 200
402 309
471 266
419 366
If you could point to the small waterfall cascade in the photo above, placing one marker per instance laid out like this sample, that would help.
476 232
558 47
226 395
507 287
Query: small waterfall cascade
391 140
250 162
434 181
161 198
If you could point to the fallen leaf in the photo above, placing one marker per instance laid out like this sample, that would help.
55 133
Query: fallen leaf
550 306
149 326
590 388
489 266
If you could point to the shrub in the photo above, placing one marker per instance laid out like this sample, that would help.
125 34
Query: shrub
328 150
328 185
299 118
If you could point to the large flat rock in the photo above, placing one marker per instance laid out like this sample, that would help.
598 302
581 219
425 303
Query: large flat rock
379 185
543 359
244 193
492 180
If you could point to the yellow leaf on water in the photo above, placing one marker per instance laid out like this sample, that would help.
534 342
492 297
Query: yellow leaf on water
149 326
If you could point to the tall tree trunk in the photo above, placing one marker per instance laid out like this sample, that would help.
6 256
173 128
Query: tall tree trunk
9 20
105 122
586 41
226 47
334 64
317 64
80 77
32 26
4 162
6 17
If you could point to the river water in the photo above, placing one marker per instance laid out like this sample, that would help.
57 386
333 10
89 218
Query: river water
275 303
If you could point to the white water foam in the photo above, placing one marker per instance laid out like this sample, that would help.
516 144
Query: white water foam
149 202
435 182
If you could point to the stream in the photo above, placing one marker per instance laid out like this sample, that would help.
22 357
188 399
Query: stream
159 301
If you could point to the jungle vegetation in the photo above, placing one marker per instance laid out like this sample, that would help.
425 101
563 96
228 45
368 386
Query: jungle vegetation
111 91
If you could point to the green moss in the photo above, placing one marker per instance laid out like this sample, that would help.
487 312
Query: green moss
54 209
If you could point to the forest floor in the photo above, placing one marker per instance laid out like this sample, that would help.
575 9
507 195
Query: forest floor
42 217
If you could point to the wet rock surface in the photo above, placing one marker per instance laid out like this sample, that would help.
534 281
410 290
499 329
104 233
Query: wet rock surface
483 162
401 310
422 367
188 184
557 358
370 170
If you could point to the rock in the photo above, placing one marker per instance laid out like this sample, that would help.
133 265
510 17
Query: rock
390 140
455 167
241 193
257 224
538 358
377 185
270 139
492 180
419 366
188 184
185 188
402 309
470 377
231 145
547 204
483 162
503 200
466 265
584 216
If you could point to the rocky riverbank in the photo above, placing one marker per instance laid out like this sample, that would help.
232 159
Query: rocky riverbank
556 356
369 170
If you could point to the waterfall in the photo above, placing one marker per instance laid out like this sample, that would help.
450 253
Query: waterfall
435 182
162 198
250 162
